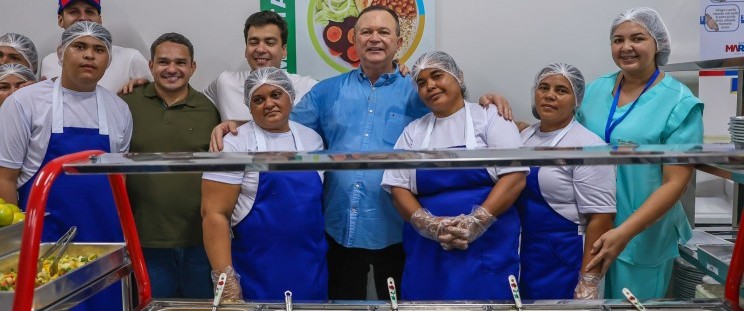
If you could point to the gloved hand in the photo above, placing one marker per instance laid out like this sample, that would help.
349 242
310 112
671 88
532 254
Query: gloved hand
588 286
232 292
430 226
470 227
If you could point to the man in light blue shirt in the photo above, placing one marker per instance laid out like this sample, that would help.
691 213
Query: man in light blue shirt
365 109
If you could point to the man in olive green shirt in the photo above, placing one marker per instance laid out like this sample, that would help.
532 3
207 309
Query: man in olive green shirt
170 116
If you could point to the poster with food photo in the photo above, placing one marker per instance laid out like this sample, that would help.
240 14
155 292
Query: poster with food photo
325 33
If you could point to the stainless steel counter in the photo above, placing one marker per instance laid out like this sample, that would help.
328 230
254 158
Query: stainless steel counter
194 305
433 159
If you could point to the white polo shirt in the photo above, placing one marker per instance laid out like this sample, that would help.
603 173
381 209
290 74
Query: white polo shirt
574 191
491 131
26 123
245 141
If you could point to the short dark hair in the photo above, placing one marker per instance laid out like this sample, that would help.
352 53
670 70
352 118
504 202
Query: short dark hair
264 18
172 37
378 7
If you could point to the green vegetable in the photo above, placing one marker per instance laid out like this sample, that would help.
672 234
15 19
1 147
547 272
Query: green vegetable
334 10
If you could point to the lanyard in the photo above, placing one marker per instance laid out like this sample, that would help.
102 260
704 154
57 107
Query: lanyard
530 131
610 125
470 141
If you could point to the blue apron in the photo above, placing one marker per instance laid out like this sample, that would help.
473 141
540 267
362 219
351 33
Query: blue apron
478 273
552 248
280 245
85 201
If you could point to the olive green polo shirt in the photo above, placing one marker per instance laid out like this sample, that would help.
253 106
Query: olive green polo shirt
167 206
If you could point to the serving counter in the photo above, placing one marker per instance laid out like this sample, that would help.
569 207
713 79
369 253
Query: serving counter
714 154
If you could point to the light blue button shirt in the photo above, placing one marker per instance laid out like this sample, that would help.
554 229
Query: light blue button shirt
353 115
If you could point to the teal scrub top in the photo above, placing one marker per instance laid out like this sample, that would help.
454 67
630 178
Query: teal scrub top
668 113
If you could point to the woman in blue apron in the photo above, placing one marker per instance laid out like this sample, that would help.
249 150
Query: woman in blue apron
563 209
641 105
455 247
275 219
83 201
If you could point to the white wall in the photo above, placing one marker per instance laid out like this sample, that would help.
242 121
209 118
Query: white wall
499 44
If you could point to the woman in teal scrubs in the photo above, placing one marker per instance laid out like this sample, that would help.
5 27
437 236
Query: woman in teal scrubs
641 105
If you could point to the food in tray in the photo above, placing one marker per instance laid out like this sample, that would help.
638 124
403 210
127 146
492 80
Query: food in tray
66 264
10 214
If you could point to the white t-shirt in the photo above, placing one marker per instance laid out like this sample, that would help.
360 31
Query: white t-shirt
245 141
574 191
491 131
227 92
26 123
126 64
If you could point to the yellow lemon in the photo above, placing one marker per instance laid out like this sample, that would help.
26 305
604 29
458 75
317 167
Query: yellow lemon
6 215
18 217
2 201
14 208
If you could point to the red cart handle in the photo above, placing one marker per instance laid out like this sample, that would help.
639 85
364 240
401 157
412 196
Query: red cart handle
34 222
736 269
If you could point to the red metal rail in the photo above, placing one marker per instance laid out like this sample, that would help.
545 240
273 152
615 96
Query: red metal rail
35 208
736 269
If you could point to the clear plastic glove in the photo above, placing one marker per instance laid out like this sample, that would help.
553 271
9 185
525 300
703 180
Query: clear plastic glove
469 228
430 226
232 292
588 286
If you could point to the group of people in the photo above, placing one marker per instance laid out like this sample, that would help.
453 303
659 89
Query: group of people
443 234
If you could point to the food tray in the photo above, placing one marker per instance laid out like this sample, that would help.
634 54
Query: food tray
110 257
543 305
716 259
10 238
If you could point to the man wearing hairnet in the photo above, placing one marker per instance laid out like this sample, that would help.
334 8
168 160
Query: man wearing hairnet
265 230
170 116
126 63
61 116
19 49
13 77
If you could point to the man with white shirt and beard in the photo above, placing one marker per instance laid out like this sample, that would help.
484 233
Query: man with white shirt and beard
265 35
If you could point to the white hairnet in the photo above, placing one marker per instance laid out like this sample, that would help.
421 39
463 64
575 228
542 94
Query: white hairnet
442 61
23 45
268 75
650 20
82 29
17 70
570 72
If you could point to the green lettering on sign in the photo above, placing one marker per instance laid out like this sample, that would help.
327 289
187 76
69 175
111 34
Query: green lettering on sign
286 9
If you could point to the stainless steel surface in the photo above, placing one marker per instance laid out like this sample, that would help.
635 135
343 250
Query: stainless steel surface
59 249
725 63
716 259
88 290
186 305
288 161
111 256
10 238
